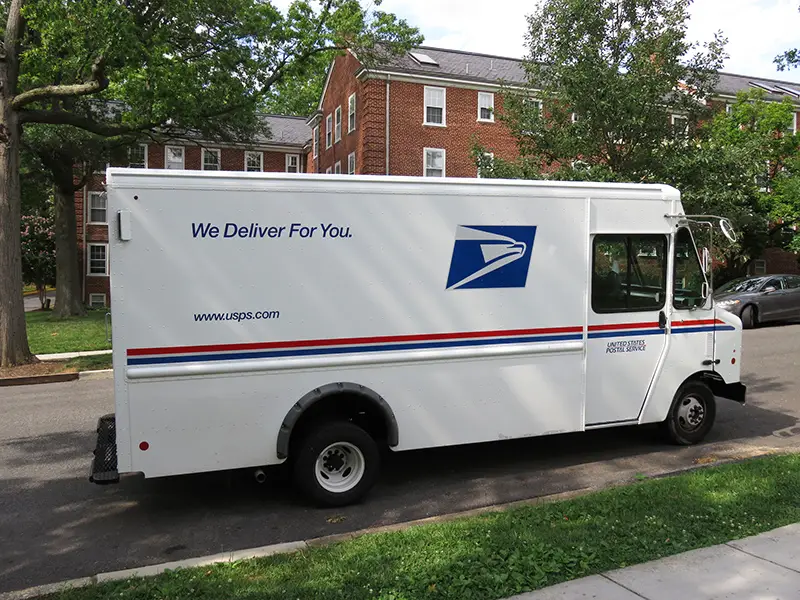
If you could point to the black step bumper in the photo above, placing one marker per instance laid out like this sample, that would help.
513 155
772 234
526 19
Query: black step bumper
732 391
104 463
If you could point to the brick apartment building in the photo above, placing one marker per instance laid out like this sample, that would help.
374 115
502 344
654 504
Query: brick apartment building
421 113
284 150
418 115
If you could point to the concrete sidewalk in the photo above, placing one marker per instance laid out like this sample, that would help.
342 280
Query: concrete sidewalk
763 567
68 355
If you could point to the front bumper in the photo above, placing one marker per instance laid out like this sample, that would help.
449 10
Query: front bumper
732 391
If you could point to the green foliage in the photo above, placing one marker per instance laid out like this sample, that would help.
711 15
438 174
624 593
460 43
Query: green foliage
299 95
608 73
38 252
497 555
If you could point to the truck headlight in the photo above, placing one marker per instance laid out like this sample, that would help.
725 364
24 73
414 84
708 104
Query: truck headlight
728 304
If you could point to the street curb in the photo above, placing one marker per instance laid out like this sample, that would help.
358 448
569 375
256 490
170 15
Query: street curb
36 379
98 374
71 355
289 547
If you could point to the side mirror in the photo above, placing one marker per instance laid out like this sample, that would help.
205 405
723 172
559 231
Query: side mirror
705 258
768 290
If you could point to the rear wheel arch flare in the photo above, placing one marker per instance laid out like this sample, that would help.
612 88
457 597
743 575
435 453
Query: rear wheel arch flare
324 397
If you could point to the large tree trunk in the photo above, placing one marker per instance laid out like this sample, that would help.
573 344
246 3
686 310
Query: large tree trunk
14 349
68 278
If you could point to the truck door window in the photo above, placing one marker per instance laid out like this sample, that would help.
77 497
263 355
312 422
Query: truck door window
689 277
629 273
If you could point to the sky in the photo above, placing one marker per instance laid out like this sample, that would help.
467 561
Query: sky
757 30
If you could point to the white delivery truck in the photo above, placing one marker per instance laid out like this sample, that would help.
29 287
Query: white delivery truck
264 318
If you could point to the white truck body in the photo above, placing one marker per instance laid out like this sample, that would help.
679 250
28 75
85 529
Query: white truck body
462 309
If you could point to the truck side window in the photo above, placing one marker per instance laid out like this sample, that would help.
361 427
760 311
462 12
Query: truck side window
629 273
689 278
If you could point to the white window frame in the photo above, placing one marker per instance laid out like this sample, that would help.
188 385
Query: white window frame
425 161
337 168
351 163
328 171
166 156
759 266
337 125
351 113
425 107
250 153
95 194
728 108
145 157
535 101
93 305
315 143
288 159
211 151
328 131
89 260
673 118
490 96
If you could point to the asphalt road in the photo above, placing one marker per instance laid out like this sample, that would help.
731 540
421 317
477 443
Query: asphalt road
55 525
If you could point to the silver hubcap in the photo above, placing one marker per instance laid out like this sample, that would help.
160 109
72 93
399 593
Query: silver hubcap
340 467
691 413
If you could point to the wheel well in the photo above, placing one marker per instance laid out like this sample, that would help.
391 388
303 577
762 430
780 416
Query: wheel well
712 379
338 401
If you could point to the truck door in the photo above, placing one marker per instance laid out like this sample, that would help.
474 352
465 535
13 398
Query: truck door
628 324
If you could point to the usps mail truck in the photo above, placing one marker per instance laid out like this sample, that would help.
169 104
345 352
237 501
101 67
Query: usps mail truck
315 320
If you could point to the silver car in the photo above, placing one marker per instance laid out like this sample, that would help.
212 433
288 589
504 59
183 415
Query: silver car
759 299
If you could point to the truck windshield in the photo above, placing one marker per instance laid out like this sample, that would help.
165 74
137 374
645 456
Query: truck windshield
689 277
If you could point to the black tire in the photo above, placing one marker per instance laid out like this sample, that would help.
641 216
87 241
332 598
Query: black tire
315 442
694 399
749 317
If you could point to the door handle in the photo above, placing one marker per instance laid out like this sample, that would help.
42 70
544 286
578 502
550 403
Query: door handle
662 320
711 362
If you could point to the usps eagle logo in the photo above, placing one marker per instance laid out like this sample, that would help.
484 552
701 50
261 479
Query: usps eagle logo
491 257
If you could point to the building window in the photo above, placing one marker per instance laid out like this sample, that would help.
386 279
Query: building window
253 162
728 108
488 161
173 157
680 126
210 160
315 142
137 156
434 162
629 273
535 104
759 267
337 168
328 131
97 300
292 163
337 126
98 208
351 163
351 113
98 259
485 106
435 99
328 171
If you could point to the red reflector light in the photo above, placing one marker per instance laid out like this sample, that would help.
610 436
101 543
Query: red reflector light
144 446
733 361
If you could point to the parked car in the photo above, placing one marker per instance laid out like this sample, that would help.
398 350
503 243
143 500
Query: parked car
758 299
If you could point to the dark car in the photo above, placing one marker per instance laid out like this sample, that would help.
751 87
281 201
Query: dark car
759 299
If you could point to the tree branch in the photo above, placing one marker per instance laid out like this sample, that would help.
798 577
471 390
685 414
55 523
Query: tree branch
67 118
97 83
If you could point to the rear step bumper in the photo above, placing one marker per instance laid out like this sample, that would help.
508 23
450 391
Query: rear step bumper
104 463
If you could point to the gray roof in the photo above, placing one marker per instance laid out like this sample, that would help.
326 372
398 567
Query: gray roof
291 131
471 66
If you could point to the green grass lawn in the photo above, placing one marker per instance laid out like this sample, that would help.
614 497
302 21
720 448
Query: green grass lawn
500 554
47 335
89 363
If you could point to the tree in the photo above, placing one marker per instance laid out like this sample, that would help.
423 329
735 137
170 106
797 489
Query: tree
606 75
179 68
743 165
300 94
38 253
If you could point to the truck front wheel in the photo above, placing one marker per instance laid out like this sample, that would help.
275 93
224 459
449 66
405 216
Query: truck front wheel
691 415
336 463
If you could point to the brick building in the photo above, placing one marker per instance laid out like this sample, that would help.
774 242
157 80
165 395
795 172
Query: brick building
283 150
421 113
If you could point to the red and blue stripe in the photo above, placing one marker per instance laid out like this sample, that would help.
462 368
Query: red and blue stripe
323 347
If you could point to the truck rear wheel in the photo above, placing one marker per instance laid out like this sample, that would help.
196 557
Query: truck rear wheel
692 414
336 463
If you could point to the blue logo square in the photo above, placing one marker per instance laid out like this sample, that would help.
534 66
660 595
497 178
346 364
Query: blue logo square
491 256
